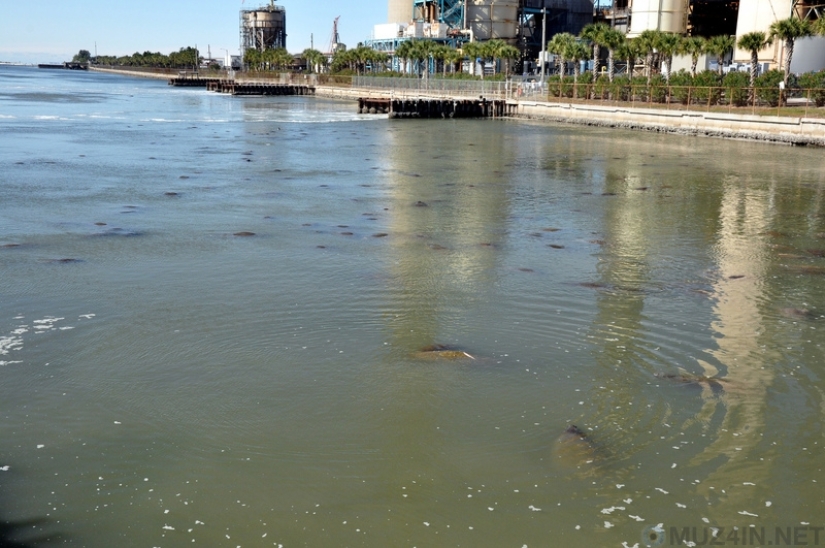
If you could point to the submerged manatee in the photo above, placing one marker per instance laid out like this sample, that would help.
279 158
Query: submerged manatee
574 449
686 379
442 352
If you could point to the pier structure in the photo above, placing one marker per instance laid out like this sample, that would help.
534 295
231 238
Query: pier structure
233 87
436 108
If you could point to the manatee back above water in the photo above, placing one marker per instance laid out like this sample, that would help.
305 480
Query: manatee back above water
574 450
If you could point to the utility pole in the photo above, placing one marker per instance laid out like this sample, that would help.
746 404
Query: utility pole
543 53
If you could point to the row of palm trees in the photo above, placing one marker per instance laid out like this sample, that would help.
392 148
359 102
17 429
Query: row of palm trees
416 55
268 59
416 52
658 48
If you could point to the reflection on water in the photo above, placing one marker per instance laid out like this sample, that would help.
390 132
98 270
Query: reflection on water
167 381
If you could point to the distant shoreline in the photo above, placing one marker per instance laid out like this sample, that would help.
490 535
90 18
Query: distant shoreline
789 130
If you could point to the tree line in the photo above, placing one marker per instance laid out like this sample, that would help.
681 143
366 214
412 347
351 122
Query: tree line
181 59
658 48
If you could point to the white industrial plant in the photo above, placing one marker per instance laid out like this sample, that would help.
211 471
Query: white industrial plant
523 23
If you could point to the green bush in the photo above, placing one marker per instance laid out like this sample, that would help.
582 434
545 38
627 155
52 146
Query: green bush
737 86
707 90
767 87
601 88
680 83
813 86
620 89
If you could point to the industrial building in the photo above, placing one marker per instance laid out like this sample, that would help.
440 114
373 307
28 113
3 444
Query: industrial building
263 28
520 22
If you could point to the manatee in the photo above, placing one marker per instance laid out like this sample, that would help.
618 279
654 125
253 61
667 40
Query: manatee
442 352
574 449
797 313
686 379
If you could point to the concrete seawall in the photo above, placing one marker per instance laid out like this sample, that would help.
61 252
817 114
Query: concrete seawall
776 129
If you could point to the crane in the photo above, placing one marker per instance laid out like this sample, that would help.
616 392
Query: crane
334 39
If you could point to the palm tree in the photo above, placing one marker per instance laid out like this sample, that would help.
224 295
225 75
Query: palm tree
648 42
474 50
576 51
613 39
754 42
440 53
788 30
558 45
508 53
453 58
720 46
492 50
667 46
594 33
419 52
314 59
403 52
628 52
426 49
693 46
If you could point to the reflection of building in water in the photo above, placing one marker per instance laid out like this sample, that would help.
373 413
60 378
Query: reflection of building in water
742 273
447 227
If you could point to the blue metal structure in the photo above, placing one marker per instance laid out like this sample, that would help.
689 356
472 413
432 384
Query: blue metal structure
450 12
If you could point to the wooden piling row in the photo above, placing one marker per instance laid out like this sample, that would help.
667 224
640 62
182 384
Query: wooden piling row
254 88
447 108
371 105
188 82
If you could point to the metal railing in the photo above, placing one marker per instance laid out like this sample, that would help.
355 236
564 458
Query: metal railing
435 87
718 98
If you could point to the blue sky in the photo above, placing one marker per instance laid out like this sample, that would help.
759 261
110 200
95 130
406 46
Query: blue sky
54 30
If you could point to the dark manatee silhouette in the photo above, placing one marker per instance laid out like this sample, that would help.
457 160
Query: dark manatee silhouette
442 352
575 450
695 381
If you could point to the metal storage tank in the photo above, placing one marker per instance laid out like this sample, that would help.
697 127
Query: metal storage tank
490 19
400 11
808 55
759 15
663 15
263 28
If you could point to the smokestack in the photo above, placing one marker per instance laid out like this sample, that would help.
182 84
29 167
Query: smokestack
400 11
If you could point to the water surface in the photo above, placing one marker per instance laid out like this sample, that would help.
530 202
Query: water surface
211 311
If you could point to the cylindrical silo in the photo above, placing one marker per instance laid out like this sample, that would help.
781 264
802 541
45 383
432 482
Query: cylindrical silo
400 11
490 19
263 28
808 55
758 16
663 15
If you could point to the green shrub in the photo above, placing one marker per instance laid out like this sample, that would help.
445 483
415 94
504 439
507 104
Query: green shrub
813 86
707 90
737 86
620 88
767 87
680 83
601 88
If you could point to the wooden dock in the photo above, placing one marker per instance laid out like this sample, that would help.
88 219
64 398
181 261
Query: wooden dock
233 87
436 108
191 82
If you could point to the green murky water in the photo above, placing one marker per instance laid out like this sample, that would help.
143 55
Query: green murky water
165 382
